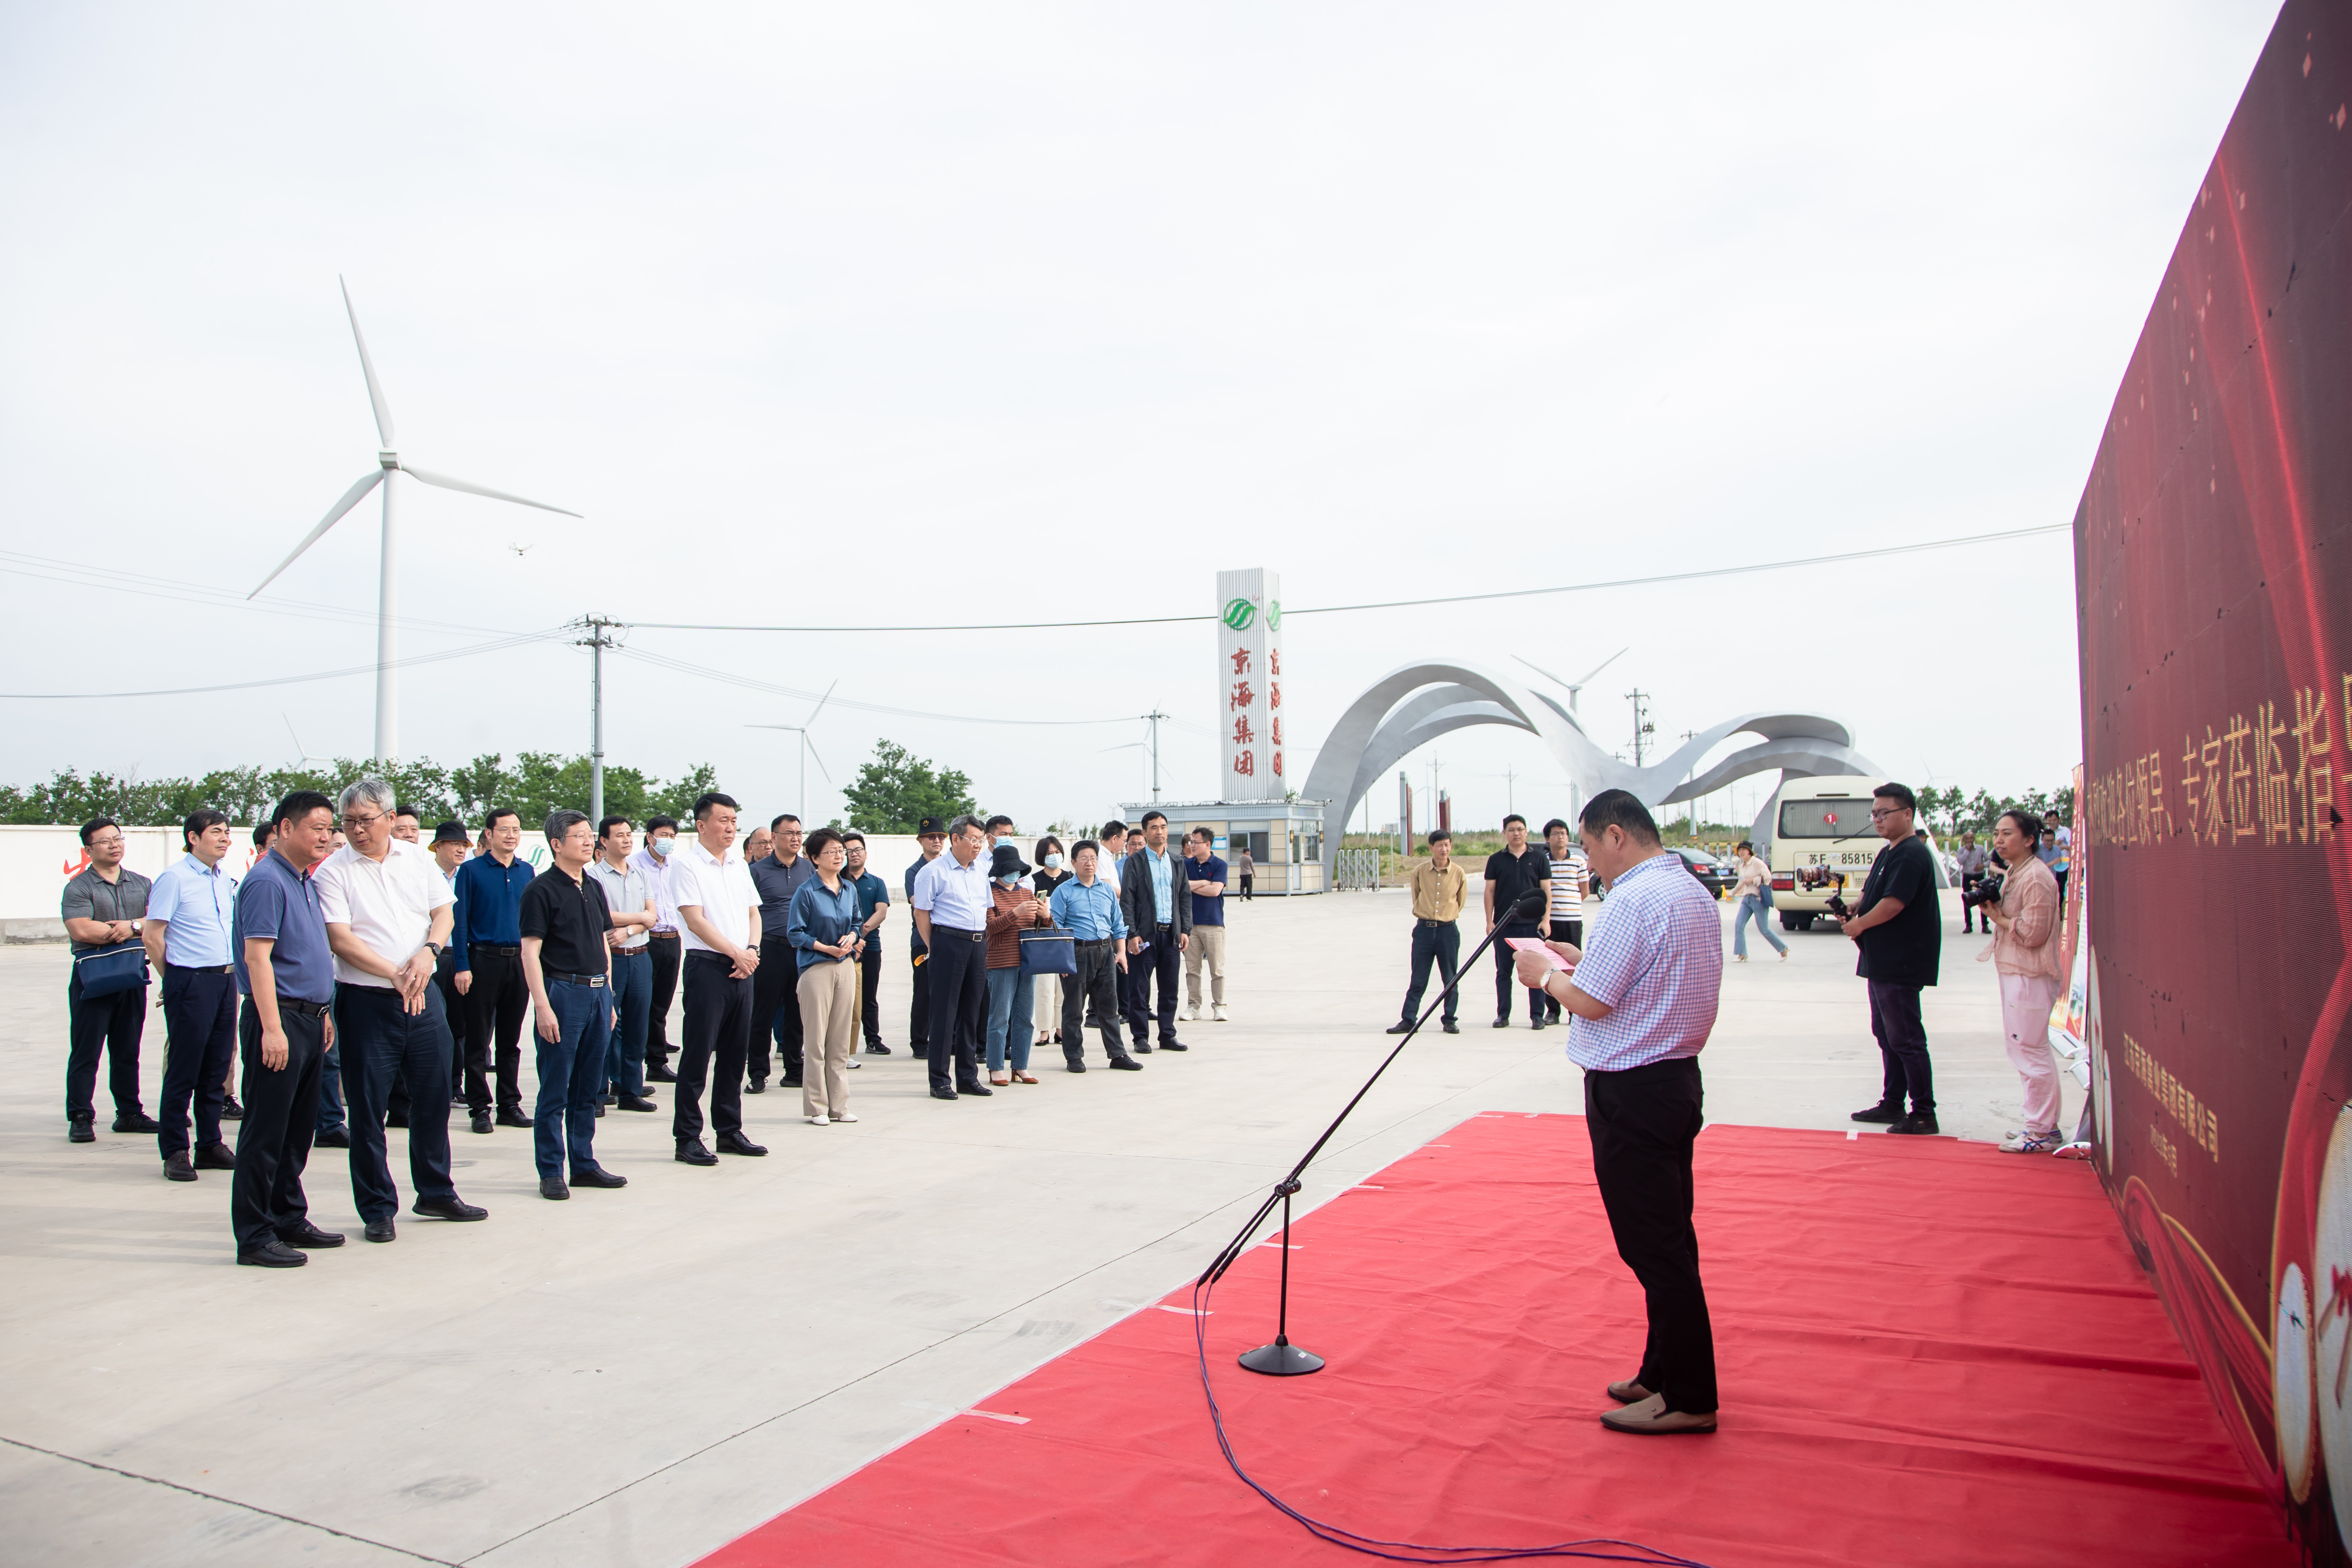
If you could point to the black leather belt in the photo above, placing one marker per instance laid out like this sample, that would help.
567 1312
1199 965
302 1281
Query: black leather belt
307 1010
495 947
576 979
1098 941
202 968
1424 920
940 931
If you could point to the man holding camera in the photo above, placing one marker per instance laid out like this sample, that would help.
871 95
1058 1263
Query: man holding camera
1900 933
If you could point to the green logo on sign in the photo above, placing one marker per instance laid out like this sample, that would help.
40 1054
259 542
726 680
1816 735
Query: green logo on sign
1274 615
1239 613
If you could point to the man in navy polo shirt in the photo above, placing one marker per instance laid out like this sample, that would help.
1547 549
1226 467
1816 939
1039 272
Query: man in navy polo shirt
287 975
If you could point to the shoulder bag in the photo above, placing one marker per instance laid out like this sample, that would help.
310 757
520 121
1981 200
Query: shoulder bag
1048 950
103 971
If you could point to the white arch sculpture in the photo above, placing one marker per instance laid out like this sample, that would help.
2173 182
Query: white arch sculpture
1415 703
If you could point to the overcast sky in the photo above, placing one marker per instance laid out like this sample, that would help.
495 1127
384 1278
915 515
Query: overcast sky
871 315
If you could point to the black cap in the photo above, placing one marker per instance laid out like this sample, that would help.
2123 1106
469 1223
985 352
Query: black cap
929 825
451 833
1007 861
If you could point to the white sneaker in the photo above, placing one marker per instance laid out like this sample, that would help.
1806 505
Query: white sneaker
1191 1012
1217 1013
843 1116
2031 1143
853 1063
820 1120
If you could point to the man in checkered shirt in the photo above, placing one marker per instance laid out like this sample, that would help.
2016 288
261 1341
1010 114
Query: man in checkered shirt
1644 995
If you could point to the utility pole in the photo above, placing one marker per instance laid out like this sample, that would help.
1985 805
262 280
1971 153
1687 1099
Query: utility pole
600 629
1155 716
1692 734
1510 790
1642 725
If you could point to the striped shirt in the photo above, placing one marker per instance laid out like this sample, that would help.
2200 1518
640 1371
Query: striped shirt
1656 960
1568 885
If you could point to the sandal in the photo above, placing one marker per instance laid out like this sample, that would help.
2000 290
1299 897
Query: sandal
1020 1076
999 1080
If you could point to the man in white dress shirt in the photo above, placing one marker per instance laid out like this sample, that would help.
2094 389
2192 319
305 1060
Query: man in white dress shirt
720 908
387 909
951 905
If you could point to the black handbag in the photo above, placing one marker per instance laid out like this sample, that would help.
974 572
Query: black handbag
103 971
1049 951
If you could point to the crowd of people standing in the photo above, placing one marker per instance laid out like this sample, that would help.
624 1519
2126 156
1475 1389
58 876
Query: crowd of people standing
369 978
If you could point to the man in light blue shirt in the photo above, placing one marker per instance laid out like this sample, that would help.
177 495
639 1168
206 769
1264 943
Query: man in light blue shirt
1086 906
189 912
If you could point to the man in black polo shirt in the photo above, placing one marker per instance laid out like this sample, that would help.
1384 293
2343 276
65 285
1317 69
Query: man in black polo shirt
1899 928
1512 871
569 968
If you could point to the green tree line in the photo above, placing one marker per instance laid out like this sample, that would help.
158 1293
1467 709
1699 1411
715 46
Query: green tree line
1949 811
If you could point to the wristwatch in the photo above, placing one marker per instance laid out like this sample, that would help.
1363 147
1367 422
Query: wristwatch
437 948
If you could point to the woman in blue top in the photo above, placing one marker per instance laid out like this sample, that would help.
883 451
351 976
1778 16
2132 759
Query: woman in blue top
821 927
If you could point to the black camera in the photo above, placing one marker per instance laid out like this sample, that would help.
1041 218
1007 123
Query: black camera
1838 906
1986 890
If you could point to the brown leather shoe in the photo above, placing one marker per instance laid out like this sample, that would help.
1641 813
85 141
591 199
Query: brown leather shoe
999 1080
1628 1392
1020 1076
1651 1418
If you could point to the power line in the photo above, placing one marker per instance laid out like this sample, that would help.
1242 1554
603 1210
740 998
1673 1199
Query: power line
367 669
727 677
46 569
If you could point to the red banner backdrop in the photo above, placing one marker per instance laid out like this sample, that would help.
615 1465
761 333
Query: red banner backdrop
2214 555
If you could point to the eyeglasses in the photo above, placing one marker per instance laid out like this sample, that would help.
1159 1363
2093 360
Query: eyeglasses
348 823
1880 815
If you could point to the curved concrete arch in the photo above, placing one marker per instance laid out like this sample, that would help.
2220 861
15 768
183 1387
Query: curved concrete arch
1415 703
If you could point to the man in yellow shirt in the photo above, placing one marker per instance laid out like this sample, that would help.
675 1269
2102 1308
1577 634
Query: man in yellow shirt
1438 890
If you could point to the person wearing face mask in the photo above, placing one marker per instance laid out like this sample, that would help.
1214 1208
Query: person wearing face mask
1045 997
873 909
664 943
1013 909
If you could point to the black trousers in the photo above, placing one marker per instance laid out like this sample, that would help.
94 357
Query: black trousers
1160 964
1506 974
114 1022
273 1142
496 997
775 991
1643 1122
453 1007
199 1043
918 1015
1093 990
377 1037
667 950
958 986
1249 883
869 990
1902 1046
717 1033
1438 942
1572 932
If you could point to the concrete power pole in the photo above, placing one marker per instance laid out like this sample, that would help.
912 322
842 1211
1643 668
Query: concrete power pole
599 628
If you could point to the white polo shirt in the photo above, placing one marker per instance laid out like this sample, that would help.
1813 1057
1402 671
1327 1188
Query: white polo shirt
388 904
955 896
722 890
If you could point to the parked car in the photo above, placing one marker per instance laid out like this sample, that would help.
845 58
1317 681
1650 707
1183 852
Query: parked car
1712 874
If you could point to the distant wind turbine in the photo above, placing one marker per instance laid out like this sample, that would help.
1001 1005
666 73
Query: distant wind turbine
808 747
388 463
1575 686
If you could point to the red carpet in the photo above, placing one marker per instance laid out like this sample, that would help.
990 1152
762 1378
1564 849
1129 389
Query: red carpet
1931 1353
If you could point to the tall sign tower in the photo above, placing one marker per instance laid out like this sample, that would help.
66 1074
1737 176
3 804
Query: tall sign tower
1249 686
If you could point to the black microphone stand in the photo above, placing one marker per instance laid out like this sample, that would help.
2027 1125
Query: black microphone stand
1282 1358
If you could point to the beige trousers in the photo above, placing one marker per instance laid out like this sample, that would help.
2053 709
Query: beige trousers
828 996
1207 946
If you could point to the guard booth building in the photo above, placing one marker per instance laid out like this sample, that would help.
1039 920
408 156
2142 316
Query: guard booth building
1284 838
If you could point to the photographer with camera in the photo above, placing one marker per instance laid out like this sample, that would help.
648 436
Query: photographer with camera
1899 931
2021 908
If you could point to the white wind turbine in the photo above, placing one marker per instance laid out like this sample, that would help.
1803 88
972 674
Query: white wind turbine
388 463
808 747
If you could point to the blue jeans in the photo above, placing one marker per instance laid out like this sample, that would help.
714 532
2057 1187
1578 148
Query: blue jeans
1752 908
1009 995
632 995
571 1076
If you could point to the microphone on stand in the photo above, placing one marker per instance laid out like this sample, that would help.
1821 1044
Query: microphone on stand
1282 1358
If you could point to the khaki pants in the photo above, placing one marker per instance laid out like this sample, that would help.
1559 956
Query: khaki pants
1208 943
828 996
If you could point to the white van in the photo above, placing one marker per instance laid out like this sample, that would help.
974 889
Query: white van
1822 845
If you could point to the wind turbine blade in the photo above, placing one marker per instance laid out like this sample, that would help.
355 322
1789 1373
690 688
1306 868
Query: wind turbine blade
299 753
449 483
820 703
771 726
367 368
350 498
1539 669
811 751
1131 746
1600 666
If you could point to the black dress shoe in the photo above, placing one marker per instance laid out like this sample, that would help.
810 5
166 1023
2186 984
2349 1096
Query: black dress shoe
737 1144
1882 1111
479 1122
875 1048
1075 1064
448 1209
332 1138
657 1073
272 1254
982 1090
939 1093
789 1080
1502 1023
759 1086
597 1176
600 1107
1534 1023
230 1110
1916 1124
1404 1028
690 1151
137 1121
215 1157
552 1186
308 1236
512 1116
635 1102
1141 1048
1125 1064
1173 1045
177 1168
1451 1028
381 1230
80 1132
